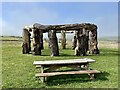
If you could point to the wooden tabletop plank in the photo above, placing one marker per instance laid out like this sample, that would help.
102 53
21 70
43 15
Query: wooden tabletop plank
71 61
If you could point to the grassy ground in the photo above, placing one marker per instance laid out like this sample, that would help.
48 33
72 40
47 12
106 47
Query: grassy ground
18 70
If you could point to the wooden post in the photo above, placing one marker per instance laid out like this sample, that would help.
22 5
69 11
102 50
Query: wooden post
74 40
29 41
36 42
80 50
41 38
96 50
86 66
91 76
53 42
93 49
63 39
90 42
84 41
42 71
87 40
26 41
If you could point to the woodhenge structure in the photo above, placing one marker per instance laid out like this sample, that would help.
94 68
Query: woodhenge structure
85 38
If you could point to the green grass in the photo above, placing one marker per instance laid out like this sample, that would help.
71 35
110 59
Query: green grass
10 38
18 70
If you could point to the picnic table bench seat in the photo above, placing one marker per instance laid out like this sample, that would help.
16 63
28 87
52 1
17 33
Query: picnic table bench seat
65 73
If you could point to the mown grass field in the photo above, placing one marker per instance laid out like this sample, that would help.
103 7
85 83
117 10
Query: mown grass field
18 70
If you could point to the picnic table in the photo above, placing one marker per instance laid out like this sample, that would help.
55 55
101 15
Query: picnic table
79 66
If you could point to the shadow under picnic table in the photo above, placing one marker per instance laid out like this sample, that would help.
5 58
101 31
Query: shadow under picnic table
67 79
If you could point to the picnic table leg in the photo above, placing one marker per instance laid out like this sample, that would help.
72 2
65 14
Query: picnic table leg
91 76
85 66
42 78
75 67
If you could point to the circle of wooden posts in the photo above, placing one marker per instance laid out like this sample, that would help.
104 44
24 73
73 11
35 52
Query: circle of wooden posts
84 41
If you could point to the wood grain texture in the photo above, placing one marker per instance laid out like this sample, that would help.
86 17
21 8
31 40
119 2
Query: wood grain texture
71 61
65 73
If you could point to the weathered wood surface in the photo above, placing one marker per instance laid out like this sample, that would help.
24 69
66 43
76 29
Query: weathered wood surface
86 38
42 71
72 61
48 67
65 73
93 49
38 66
74 42
36 42
63 39
41 40
67 27
81 48
53 43
26 41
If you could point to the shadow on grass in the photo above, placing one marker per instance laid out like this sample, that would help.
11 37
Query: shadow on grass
68 52
63 54
66 49
68 79
108 52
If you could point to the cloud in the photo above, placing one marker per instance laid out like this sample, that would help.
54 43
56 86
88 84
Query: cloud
107 24
8 29
36 14
20 17
17 15
0 26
